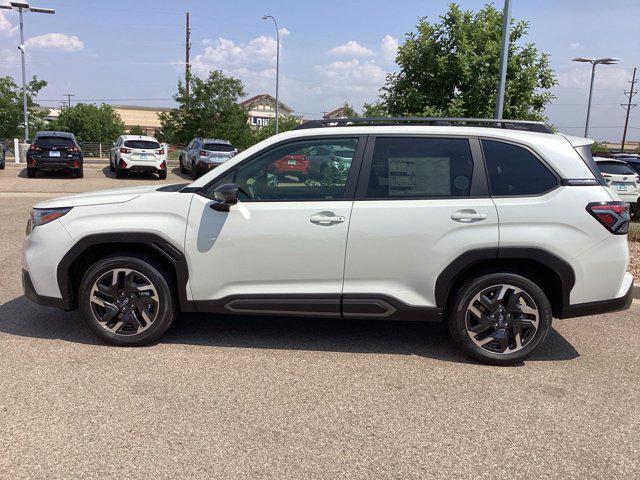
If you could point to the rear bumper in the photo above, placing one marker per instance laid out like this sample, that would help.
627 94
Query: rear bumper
54 164
603 306
203 167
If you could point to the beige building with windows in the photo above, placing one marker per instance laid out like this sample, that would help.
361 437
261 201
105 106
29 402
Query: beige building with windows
262 110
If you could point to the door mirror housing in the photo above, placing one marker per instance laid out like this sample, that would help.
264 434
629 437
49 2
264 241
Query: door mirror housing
225 196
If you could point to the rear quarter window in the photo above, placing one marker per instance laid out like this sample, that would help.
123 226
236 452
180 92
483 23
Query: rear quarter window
515 171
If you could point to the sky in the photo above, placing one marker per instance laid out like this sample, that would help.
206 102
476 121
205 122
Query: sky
132 52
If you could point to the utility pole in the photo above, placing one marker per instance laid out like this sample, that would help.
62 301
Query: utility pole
504 58
628 106
187 64
69 95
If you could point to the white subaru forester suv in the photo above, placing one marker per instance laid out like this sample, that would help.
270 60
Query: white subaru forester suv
493 227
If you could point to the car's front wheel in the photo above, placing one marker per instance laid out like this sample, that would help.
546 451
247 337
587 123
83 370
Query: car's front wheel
500 318
127 300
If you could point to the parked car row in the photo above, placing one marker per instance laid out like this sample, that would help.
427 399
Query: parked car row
621 178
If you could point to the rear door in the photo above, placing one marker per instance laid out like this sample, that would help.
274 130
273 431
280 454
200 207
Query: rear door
421 202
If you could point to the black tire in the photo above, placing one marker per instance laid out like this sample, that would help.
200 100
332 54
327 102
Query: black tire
458 320
111 167
79 173
182 167
194 173
2 164
162 174
126 335
118 171
31 172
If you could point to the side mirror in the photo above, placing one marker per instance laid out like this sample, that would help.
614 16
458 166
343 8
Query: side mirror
225 196
29 140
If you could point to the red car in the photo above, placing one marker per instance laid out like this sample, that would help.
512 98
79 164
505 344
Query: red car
295 165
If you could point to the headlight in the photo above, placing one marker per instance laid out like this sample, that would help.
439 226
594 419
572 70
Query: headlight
42 216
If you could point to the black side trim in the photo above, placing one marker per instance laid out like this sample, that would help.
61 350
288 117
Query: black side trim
450 274
603 306
579 182
159 244
30 293
322 305
366 305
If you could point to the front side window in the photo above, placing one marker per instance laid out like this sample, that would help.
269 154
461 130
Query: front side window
294 171
515 171
417 167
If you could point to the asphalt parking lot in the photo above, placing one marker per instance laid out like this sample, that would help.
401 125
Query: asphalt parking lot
234 397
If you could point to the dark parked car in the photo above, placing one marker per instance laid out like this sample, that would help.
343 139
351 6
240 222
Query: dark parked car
3 155
54 151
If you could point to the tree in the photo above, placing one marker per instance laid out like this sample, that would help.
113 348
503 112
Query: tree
377 109
450 68
597 147
210 110
11 114
137 130
284 125
348 111
90 123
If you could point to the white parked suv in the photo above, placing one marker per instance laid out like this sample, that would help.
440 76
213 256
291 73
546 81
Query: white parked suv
492 230
622 179
137 153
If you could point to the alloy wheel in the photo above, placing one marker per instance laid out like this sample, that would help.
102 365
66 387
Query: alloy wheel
124 301
502 319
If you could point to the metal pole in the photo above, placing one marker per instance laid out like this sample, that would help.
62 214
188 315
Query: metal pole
593 74
629 107
504 58
24 81
277 73
187 64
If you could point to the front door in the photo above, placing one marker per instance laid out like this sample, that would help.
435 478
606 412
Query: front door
281 248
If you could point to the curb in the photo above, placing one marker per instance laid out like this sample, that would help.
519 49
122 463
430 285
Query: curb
636 290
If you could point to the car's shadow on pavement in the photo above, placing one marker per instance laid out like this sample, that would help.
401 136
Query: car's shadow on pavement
23 318
176 171
129 175
47 174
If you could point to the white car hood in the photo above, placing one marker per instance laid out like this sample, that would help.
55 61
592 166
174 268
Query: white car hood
101 197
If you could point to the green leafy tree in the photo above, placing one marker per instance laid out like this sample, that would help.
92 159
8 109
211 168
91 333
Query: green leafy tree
450 68
597 147
137 130
210 110
90 123
11 114
284 125
377 109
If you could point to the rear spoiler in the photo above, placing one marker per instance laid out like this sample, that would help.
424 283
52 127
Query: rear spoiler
578 141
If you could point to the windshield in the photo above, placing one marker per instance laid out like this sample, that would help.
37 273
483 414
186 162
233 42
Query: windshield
614 168
145 144
51 142
218 147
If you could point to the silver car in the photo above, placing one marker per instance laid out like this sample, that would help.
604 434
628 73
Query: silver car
204 154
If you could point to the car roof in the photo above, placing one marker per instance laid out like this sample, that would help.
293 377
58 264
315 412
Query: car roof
139 137
51 133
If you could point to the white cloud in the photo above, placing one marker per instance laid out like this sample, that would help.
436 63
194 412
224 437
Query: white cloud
7 29
351 49
8 57
574 45
284 32
389 48
55 41
607 76
224 54
353 74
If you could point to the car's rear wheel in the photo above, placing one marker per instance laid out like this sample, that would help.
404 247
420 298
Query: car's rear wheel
118 171
194 173
162 174
111 167
500 318
127 300
31 172
182 167
79 173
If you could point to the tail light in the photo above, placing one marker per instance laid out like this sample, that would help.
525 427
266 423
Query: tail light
75 164
122 164
125 150
163 165
160 151
203 153
33 148
638 179
74 150
614 216
607 177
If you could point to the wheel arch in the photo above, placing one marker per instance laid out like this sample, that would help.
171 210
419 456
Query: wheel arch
92 248
552 274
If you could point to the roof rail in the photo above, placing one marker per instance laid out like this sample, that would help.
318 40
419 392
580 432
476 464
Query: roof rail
527 125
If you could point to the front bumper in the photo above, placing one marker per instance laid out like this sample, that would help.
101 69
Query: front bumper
31 294
603 306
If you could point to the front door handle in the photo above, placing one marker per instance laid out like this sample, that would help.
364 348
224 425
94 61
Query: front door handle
326 219
468 216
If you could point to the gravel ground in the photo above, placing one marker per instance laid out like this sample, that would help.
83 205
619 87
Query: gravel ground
634 264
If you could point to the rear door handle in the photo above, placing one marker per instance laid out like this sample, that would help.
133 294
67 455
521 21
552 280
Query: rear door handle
468 216
326 219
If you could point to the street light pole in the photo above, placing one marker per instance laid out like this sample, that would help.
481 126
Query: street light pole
504 58
277 66
593 62
20 7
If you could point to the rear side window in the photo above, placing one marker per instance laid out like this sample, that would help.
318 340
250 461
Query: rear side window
514 170
218 147
405 167
145 144
615 168
51 142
